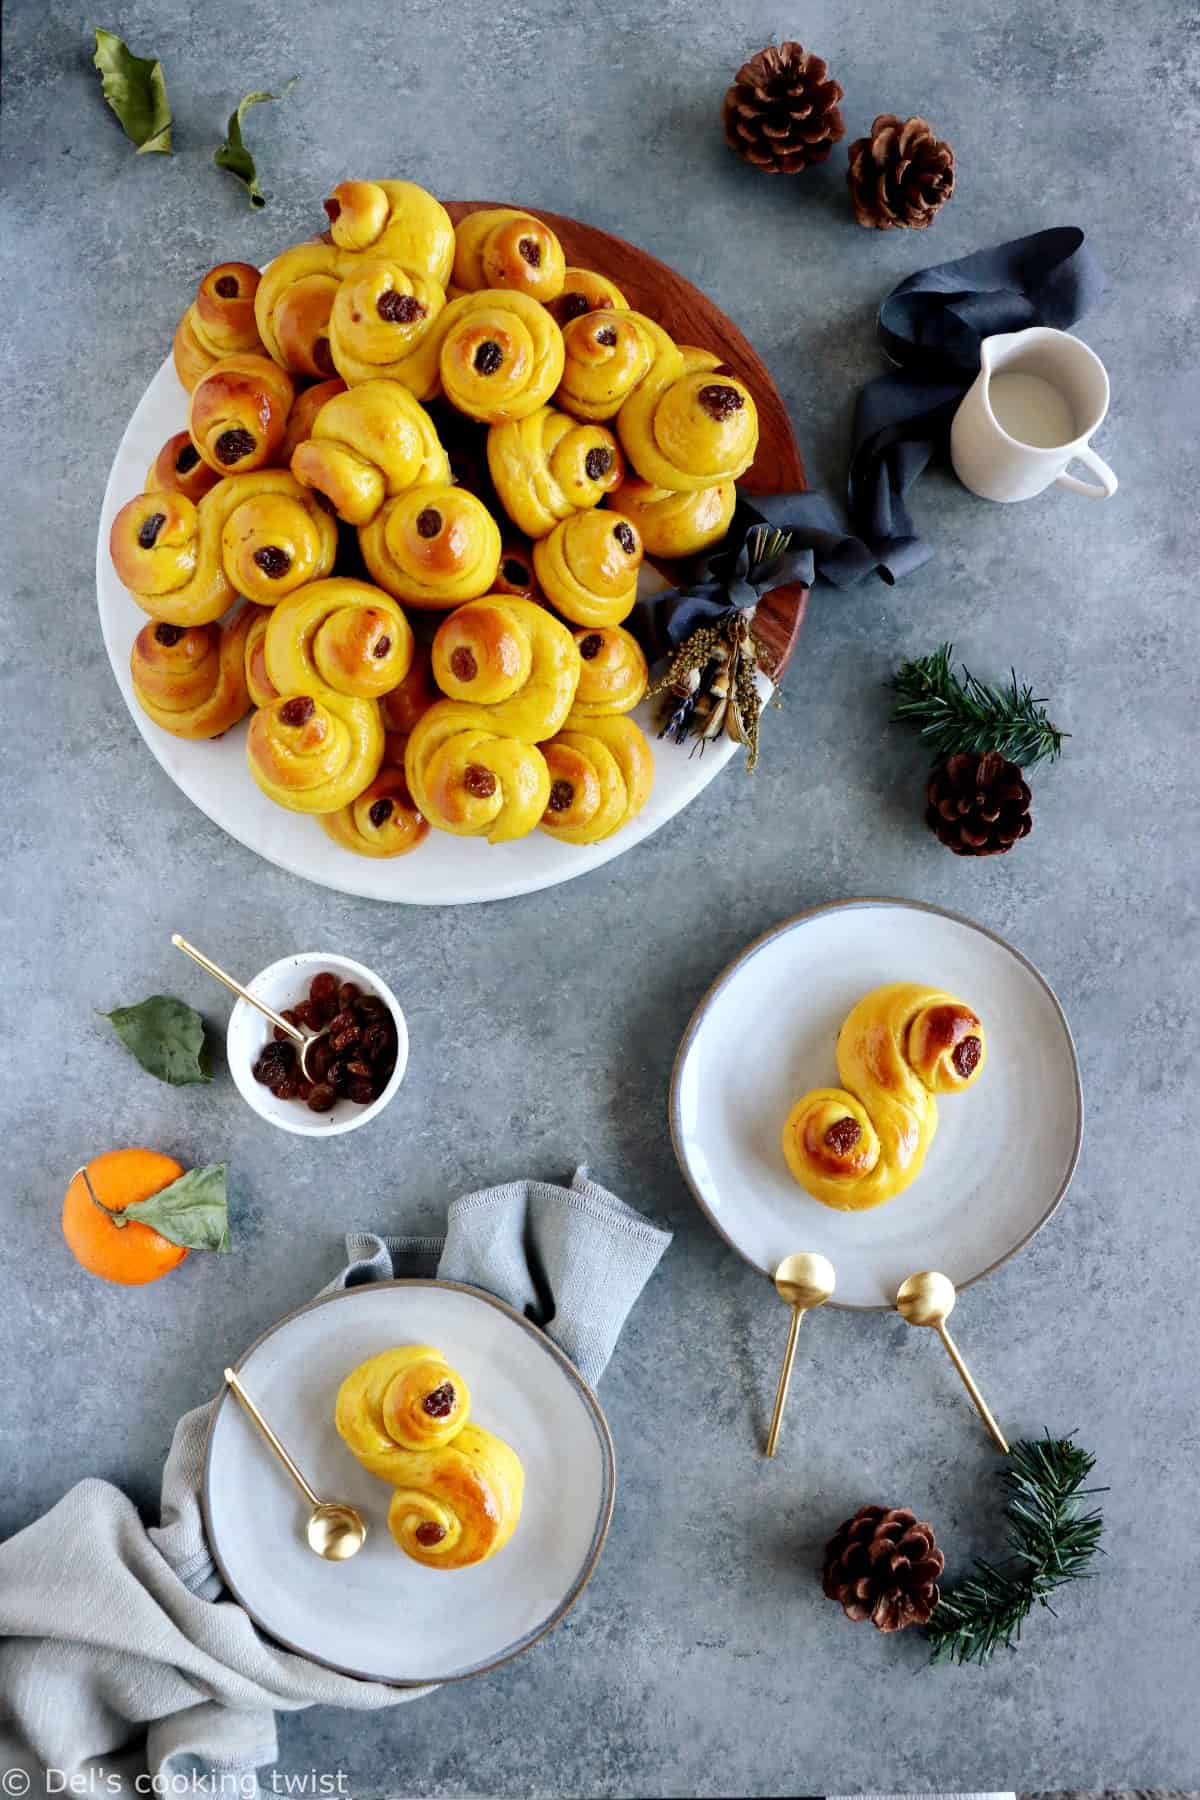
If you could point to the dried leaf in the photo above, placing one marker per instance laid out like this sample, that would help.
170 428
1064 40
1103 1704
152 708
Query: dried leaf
136 89
233 154
166 1036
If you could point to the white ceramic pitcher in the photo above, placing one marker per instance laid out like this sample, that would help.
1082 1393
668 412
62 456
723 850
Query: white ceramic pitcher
1038 397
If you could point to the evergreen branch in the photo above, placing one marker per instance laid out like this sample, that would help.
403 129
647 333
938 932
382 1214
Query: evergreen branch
955 713
1051 1543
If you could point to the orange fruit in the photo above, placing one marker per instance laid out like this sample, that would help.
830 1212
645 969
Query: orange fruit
129 1254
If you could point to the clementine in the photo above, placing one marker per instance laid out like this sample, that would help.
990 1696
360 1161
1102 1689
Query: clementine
129 1254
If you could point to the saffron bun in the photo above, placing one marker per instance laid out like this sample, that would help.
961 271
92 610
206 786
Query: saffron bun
588 567
500 355
384 324
499 247
471 779
393 219
856 1146
383 821
432 547
191 680
672 524
685 429
340 634
606 355
315 753
219 322
292 308
239 412
366 445
601 775
512 657
549 465
613 674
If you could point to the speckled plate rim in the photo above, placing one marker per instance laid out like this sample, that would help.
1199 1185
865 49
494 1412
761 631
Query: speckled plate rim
608 1459
731 971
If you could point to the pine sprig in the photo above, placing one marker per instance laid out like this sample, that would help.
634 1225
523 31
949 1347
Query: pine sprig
1051 1543
954 713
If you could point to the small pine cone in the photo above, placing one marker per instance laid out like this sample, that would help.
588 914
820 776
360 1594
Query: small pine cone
978 805
781 114
883 1566
900 175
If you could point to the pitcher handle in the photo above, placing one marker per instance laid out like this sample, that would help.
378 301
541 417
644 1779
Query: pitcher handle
1098 466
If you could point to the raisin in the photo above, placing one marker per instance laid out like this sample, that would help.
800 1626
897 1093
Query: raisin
168 634
348 994
429 1532
308 1015
571 306
288 1086
274 1062
297 711
360 1070
381 811
234 444
966 1056
319 1058
321 1097
531 252
288 1013
842 1136
361 1092
342 1041
429 522
479 781
625 537
463 665
333 209
323 987
322 355
382 647
377 1042
187 459
591 646
515 573
488 357
336 1076
149 529
273 561
371 1006
598 462
227 287
561 795
719 402
440 1403
399 309
607 335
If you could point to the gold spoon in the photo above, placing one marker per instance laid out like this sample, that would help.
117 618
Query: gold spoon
928 1299
303 1040
334 1530
802 1281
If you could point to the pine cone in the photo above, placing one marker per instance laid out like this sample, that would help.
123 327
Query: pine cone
899 175
881 1565
781 114
978 805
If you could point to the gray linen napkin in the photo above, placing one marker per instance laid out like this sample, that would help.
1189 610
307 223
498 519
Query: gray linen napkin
119 1654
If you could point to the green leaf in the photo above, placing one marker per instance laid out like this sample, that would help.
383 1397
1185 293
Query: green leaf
166 1036
191 1212
136 89
233 154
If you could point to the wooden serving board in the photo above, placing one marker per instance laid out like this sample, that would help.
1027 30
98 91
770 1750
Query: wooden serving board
692 318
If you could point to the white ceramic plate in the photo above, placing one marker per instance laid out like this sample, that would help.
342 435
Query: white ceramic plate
381 1616
765 1033
445 870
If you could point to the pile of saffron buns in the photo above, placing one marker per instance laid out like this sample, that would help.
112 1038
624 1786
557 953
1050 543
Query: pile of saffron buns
402 424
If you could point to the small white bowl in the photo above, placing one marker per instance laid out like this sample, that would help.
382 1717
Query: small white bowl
285 984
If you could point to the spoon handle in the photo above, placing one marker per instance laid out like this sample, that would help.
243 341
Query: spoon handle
981 1405
236 987
236 1386
785 1376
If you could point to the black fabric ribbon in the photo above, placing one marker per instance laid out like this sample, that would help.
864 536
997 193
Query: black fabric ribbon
932 326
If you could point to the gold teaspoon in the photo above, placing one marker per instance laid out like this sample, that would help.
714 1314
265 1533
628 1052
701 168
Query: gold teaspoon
802 1281
334 1530
303 1040
928 1299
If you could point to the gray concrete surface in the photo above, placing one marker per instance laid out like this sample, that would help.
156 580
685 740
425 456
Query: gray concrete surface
703 1659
